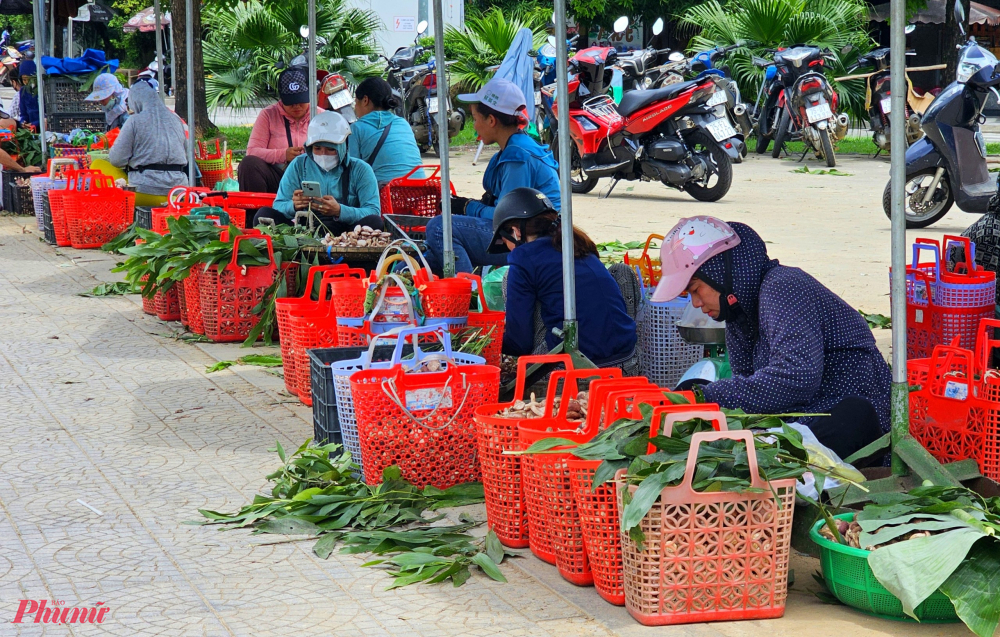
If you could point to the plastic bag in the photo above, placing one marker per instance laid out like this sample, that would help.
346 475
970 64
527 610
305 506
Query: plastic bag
227 185
822 456
493 287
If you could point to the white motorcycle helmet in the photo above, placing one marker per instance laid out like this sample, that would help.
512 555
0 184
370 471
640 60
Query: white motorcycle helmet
329 127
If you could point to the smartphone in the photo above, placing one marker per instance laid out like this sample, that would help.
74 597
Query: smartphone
311 189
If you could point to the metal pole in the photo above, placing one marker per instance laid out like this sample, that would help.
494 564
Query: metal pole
69 38
189 81
312 58
442 140
897 88
49 34
38 10
570 337
159 47
173 67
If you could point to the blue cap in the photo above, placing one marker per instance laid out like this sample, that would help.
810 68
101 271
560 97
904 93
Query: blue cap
27 67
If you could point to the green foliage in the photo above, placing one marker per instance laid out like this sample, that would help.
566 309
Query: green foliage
767 24
246 43
316 494
484 41
26 146
111 289
880 321
135 50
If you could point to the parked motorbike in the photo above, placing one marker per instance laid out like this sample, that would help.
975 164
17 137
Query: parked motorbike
668 135
545 74
640 69
878 102
415 86
948 164
801 103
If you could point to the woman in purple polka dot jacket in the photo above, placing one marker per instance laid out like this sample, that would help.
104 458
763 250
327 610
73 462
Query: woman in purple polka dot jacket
794 346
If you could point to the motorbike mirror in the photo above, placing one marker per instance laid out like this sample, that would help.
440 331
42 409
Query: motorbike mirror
304 31
621 24
421 27
960 15
676 56
910 28
552 40
658 26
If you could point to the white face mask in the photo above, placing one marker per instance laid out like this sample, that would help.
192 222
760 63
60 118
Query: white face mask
327 162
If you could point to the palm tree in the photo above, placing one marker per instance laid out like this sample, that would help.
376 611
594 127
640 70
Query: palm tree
250 42
484 42
763 25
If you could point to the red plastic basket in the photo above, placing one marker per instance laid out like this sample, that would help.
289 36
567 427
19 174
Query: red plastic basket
506 511
76 180
710 556
489 322
420 197
445 298
96 217
192 298
240 200
168 307
554 532
148 304
182 302
648 266
349 297
601 533
941 303
209 178
228 295
422 421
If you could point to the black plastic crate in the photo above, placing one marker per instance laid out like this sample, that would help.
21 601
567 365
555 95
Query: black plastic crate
21 200
66 122
144 217
326 423
49 231
64 95
406 226
7 181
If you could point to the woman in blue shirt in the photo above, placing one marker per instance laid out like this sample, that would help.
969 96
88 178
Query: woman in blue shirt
498 111
380 138
527 226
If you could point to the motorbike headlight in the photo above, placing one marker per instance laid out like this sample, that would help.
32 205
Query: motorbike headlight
965 71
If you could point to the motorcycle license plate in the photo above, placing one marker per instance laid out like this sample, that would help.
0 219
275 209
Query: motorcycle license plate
432 105
721 129
340 99
718 97
818 113
887 105
538 97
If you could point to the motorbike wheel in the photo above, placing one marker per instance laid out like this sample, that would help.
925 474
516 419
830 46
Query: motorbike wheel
701 143
763 131
919 215
828 154
579 180
781 133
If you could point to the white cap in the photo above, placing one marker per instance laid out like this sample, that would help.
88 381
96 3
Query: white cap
501 95
329 127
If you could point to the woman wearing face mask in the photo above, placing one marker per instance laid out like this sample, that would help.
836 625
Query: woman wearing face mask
113 98
349 190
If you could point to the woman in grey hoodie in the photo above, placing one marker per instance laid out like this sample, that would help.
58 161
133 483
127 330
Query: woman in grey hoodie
151 147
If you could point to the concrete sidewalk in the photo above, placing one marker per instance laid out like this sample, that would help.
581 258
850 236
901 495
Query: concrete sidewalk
116 436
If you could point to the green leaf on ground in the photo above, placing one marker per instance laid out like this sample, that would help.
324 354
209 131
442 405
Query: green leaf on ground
111 289
880 321
218 367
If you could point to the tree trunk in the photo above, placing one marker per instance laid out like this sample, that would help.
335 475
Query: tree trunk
952 36
203 126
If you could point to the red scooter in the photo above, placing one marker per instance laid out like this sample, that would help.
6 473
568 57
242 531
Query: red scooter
669 135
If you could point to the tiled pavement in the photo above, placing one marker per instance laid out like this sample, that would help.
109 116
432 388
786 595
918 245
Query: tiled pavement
97 406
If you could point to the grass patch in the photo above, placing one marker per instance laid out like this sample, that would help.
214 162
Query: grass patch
238 136
466 137
846 146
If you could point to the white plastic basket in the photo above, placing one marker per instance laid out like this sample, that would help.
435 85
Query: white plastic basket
343 370
665 355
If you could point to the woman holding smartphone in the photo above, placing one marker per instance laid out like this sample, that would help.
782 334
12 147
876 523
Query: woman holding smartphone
340 190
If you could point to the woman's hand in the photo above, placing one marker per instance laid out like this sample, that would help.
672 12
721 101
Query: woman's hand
293 152
31 169
327 206
299 200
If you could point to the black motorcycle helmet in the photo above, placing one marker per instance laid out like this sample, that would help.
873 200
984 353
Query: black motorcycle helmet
516 207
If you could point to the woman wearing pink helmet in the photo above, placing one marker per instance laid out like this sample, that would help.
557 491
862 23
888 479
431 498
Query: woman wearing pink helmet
794 346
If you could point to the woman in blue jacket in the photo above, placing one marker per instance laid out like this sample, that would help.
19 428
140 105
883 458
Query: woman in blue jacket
527 226
497 110
348 187
794 345
380 138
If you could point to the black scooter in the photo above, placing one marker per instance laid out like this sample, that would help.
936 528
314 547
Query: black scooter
948 164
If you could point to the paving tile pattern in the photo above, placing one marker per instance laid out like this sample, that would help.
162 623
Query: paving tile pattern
97 407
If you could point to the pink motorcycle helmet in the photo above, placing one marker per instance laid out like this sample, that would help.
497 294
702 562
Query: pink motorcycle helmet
687 247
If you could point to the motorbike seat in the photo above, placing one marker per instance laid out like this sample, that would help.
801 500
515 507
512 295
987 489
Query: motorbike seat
634 101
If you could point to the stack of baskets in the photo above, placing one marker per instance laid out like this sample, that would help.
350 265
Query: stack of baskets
418 197
215 165
41 184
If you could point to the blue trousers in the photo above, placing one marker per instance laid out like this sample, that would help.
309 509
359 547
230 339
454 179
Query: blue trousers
471 239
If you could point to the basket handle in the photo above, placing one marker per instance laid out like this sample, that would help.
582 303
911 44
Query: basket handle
390 390
919 275
428 330
969 249
569 378
326 283
397 246
927 244
944 357
311 276
708 436
477 288
666 416
381 298
437 169
984 344
522 368
244 237
624 403
59 161
649 240
599 391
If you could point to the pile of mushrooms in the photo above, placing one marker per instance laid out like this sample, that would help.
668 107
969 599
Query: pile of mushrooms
534 408
360 237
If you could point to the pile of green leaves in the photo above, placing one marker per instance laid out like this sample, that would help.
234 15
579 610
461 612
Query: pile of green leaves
26 145
615 251
255 360
961 557
111 289
880 321
315 494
